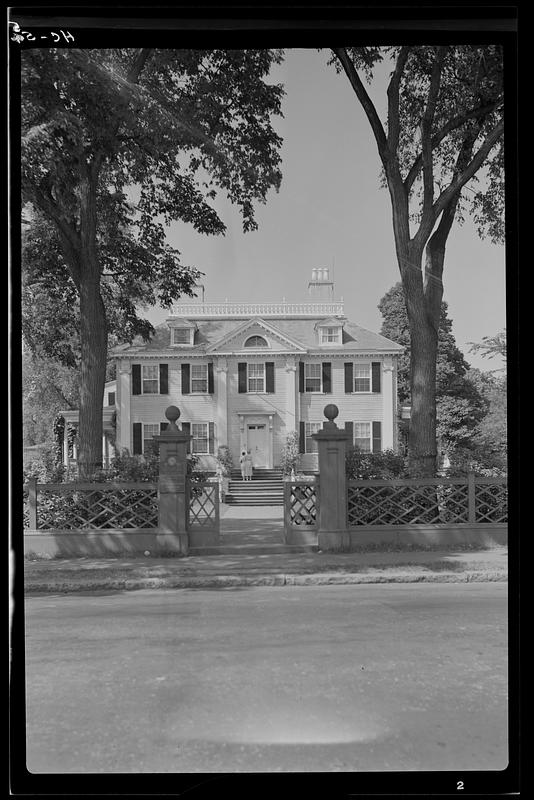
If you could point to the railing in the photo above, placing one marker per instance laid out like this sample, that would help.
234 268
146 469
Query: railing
450 501
301 505
90 506
258 309
203 506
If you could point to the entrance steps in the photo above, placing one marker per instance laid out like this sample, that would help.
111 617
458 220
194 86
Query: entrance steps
265 489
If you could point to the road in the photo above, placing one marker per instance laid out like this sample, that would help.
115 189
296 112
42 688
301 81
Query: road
287 679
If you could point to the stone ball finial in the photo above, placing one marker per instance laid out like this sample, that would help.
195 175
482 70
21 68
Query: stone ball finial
172 413
331 411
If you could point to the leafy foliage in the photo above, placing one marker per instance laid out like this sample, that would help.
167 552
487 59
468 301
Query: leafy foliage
360 465
290 455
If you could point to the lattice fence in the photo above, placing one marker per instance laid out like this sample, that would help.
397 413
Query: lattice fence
90 506
203 505
426 502
301 507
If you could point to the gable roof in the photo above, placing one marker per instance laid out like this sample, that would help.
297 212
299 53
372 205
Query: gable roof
252 325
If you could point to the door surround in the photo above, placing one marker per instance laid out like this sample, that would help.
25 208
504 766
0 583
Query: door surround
247 418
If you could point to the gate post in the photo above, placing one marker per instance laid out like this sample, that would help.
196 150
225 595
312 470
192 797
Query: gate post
173 501
331 441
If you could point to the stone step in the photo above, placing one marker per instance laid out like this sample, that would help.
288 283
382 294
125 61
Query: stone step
251 549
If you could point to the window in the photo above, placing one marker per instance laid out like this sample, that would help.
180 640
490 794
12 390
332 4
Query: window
312 377
362 378
199 378
256 377
362 436
311 444
150 379
111 398
256 341
330 335
200 440
181 336
149 430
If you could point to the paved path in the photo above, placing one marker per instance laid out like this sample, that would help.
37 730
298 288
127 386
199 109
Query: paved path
330 679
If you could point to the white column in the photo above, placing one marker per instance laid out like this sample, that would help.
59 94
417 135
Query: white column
291 403
221 400
124 388
389 405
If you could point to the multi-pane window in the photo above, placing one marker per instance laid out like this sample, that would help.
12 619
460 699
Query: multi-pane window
199 378
255 341
149 430
256 377
362 378
150 378
312 377
330 335
200 440
181 336
362 436
311 444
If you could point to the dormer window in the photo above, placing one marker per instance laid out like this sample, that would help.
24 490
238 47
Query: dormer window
330 335
182 332
256 341
181 335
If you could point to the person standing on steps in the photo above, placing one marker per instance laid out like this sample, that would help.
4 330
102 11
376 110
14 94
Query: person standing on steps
243 465
248 466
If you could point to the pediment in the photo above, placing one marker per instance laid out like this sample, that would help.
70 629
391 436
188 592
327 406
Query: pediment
331 322
235 340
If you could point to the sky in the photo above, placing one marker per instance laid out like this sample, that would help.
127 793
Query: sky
332 212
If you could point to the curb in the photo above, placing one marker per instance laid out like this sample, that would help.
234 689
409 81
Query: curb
235 581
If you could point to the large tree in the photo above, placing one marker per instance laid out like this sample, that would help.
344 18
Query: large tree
180 125
444 131
460 405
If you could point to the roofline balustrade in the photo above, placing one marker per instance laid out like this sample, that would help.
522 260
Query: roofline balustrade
226 309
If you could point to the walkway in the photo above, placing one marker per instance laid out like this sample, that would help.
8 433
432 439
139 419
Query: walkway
257 525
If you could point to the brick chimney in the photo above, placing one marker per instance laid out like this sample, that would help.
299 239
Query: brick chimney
321 287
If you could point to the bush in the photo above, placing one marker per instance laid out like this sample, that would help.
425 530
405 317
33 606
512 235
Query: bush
224 457
290 453
360 465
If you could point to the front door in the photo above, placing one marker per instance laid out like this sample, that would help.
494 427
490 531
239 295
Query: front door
257 444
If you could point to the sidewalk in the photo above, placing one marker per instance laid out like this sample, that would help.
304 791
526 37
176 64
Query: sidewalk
407 566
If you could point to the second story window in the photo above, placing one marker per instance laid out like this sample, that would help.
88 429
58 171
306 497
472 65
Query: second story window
362 378
199 378
312 377
150 379
256 378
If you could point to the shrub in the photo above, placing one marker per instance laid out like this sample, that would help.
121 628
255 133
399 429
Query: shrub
290 453
224 457
360 465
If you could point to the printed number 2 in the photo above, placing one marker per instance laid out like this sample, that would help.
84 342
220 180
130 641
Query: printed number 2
459 785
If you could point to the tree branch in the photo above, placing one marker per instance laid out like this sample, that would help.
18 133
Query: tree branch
366 102
476 162
453 124
393 100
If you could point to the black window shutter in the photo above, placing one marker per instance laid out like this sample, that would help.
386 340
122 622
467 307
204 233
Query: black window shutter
186 428
136 378
137 438
241 377
349 378
269 377
164 379
327 377
375 376
349 428
377 437
163 426
302 437
301 376
186 383
211 437
211 384
111 399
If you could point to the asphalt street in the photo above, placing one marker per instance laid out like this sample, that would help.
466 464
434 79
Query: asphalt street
287 679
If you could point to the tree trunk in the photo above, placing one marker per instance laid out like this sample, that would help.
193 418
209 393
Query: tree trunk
93 332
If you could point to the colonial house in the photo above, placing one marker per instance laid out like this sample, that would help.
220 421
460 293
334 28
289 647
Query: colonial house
246 375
